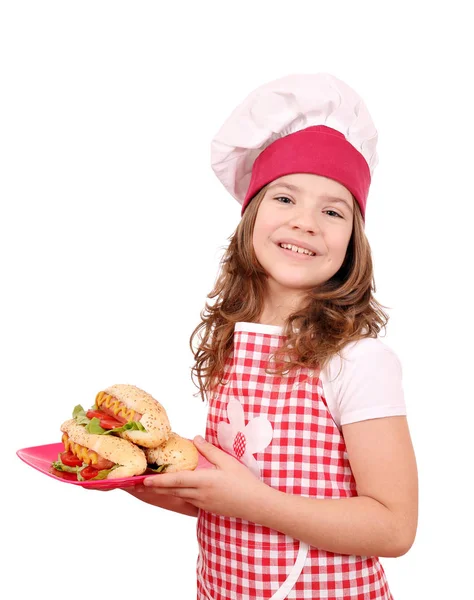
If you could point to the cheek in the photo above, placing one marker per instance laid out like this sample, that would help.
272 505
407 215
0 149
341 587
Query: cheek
343 238
339 247
259 245
262 231
343 248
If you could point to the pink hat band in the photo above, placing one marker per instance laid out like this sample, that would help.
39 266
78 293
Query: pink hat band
319 150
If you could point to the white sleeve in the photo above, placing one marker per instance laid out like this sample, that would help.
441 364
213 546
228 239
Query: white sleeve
364 383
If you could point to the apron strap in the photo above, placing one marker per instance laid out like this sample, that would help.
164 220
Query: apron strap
293 575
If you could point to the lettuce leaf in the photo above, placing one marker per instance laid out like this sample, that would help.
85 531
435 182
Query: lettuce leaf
80 415
59 466
130 426
156 468
93 425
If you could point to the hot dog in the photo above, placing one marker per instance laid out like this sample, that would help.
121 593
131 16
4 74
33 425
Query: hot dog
176 454
93 448
121 404
97 456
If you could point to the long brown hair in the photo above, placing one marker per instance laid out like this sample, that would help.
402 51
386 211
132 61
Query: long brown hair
341 310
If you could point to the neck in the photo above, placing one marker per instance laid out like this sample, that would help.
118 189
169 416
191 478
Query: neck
267 320
276 312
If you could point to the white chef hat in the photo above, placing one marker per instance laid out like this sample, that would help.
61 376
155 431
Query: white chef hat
297 124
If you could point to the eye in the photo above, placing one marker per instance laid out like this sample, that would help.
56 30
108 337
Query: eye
334 213
283 198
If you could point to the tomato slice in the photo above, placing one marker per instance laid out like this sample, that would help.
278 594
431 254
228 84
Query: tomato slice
64 475
70 460
89 473
95 413
106 421
110 423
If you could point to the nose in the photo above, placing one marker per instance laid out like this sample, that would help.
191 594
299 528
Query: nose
306 220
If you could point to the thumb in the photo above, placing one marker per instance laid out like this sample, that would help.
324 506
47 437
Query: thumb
212 455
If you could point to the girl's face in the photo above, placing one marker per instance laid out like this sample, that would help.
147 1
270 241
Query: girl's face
308 211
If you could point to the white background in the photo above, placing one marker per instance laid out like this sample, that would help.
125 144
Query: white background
112 228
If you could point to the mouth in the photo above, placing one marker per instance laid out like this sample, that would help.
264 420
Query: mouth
296 251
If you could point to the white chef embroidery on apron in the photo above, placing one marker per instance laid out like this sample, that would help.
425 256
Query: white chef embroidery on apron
241 440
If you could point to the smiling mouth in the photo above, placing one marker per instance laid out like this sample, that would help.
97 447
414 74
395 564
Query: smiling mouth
296 251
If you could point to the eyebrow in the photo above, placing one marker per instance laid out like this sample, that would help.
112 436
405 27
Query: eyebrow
295 188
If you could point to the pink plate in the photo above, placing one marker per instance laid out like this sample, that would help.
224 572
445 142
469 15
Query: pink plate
41 457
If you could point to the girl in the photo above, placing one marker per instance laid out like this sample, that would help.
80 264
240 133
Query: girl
314 472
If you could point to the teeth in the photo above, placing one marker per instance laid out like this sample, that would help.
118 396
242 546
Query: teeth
297 249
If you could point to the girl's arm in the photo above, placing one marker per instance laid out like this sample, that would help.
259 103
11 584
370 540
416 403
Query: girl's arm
148 495
380 521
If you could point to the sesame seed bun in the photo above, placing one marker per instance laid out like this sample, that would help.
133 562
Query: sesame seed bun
154 418
181 454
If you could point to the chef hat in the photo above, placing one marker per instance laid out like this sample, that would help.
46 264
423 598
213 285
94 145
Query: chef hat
297 124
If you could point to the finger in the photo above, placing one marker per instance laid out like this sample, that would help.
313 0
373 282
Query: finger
214 455
183 493
172 480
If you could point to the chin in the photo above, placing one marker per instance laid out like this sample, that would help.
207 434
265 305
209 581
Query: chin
296 284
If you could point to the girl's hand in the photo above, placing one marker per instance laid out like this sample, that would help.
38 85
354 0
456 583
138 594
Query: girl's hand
150 496
229 489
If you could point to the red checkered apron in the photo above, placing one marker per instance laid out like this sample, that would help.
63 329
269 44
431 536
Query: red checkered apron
304 453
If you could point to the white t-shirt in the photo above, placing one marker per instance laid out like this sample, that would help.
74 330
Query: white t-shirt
365 382
369 385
